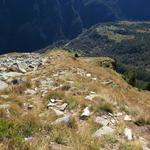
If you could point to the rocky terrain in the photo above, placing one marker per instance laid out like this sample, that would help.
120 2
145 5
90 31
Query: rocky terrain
31 25
58 101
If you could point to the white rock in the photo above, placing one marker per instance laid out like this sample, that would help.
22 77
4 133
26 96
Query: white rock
30 106
92 92
88 75
113 121
53 100
22 68
127 118
51 104
30 91
28 139
107 82
102 121
63 106
128 133
6 75
63 120
119 114
103 131
91 97
86 112
110 114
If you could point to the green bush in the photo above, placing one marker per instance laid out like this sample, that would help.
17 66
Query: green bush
130 77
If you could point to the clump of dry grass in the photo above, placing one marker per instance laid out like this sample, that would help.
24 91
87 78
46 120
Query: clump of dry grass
56 95
134 145
14 98
120 126
104 107
20 88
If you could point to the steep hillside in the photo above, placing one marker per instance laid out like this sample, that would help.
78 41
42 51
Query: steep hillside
58 101
128 42
31 25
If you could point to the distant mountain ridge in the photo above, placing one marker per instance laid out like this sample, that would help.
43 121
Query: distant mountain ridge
28 25
127 42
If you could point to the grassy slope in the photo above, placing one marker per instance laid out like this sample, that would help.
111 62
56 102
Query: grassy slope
128 42
29 123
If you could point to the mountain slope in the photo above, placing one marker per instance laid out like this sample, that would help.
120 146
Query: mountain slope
31 25
127 42
57 101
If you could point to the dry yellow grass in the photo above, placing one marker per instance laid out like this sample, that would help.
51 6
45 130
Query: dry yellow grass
122 94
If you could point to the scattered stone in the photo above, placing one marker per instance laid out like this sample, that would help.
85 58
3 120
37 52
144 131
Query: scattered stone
22 62
103 131
51 104
113 121
30 106
119 114
30 91
28 139
63 106
63 120
110 114
3 85
55 100
86 113
91 96
107 82
6 75
102 120
88 75
128 133
22 68
94 79
127 118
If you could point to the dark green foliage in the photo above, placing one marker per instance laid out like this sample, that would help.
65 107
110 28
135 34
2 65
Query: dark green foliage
130 77
147 87
127 42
